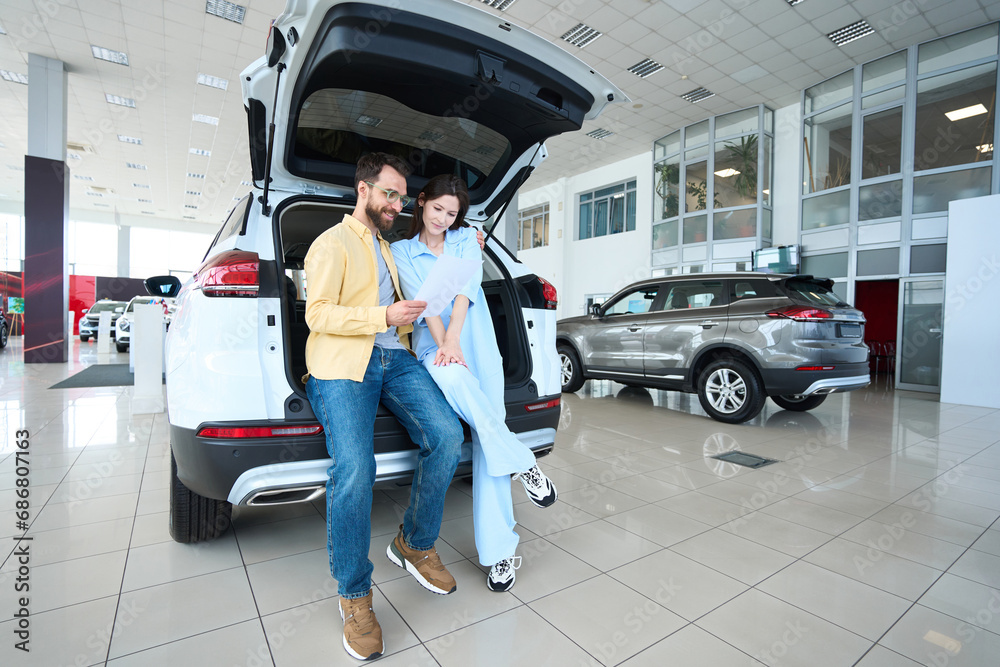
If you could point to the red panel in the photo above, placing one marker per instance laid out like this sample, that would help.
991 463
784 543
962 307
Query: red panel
82 295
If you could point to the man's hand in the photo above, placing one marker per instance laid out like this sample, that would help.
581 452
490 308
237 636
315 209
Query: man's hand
404 312
480 239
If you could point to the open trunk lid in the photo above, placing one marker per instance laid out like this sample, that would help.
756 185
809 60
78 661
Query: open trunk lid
447 87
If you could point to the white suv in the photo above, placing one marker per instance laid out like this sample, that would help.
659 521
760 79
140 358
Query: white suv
447 87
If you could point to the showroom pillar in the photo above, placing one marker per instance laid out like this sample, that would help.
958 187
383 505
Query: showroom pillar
46 209
124 235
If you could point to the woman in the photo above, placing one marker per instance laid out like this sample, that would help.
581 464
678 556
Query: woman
459 349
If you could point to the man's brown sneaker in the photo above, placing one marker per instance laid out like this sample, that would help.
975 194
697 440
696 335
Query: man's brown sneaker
425 566
362 633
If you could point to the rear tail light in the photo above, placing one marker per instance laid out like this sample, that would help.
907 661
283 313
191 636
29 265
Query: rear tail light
801 313
815 368
532 407
258 431
232 273
549 294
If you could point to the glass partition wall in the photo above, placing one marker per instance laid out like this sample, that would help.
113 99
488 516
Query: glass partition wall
885 147
712 193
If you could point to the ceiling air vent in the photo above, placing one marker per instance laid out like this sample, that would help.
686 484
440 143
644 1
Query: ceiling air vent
645 68
581 35
697 95
599 133
78 147
849 33
502 5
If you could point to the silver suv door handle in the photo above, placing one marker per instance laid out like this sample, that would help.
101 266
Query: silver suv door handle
633 328
708 324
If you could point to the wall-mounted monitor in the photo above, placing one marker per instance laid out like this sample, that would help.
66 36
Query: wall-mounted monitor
781 259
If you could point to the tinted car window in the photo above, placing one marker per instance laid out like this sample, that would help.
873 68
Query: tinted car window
234 223
813 292
636 301
695 294
753 288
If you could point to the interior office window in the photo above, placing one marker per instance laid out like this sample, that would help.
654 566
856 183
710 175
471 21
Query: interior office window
955 118
883 72
11 242
92 248
827 147
736 172
881 143
610 210
957 49
534 225
931 193
831 91
696 187
666 180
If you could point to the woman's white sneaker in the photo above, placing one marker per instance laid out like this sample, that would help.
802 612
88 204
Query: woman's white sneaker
539 488
501 577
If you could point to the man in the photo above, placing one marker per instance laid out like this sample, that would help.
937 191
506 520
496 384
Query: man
356 357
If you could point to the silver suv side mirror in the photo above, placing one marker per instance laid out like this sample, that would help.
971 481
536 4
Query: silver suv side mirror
596 309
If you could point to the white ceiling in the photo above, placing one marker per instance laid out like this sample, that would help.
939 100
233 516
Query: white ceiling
745 51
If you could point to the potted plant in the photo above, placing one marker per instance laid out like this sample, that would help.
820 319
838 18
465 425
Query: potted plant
744 155
667 181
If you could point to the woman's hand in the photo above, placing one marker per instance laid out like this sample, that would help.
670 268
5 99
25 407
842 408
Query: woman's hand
449 353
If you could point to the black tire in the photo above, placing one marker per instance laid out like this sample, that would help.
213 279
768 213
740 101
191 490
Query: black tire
122 347
799 403
84 339
730 391
570 371
194 518
3 336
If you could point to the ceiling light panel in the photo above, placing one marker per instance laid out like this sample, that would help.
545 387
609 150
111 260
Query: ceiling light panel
116 57
599 133
370 121
213 81
580 35
120 101
849 33
697 95
83 178
645 68
14 77
794 2
967 112
502 5
135 165
193 192
193 175
226 10
202 118
124 138
200 151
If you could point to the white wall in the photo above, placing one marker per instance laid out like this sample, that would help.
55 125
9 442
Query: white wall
785 192
972 292
598 265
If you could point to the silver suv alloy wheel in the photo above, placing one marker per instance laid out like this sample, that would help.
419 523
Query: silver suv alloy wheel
726 390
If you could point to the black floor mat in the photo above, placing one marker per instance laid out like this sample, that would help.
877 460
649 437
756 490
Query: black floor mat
99 375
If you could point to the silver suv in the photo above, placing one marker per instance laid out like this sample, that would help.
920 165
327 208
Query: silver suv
734 338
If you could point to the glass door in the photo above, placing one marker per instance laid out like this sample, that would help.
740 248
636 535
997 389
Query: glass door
919 334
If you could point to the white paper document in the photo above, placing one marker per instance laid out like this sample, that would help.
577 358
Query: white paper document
446 279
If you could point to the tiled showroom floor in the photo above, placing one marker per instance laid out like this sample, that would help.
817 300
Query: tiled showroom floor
873 542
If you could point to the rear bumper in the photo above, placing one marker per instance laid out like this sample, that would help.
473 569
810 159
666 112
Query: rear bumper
279 470
845 377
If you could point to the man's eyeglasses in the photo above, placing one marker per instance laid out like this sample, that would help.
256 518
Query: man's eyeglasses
392 196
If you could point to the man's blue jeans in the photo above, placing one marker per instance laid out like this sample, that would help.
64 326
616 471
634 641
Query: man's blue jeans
346 409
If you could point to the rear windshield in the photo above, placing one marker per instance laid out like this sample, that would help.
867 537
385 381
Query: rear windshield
101 307
339 125
812 292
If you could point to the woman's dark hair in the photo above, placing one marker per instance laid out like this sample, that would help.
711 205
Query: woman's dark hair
445 184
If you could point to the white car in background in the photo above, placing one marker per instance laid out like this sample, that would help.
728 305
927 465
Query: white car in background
451 89
123 326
